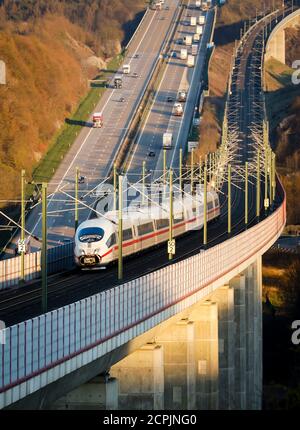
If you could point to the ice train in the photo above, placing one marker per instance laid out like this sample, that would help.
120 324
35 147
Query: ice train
96 240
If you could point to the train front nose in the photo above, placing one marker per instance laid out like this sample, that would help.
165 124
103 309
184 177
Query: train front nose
90 259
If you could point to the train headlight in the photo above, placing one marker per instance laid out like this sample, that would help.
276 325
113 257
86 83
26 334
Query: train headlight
82 252
97 251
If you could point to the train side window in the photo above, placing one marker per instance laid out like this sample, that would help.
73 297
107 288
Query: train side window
178 219
210 206
145 228
216 203
111 241
162 223
127 234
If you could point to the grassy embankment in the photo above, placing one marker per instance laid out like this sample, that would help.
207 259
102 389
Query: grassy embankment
283 107
63 141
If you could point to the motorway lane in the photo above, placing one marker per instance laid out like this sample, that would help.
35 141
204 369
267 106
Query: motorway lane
94 150
160 119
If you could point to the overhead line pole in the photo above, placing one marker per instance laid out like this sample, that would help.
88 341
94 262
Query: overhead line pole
44 249
120 229
22 224
229 198
258 185
76 199
205 208
171 212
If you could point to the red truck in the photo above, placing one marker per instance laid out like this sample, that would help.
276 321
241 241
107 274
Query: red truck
97 120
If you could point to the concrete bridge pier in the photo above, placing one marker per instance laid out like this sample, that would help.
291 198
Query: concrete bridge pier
238 284
179 365
224 296
276 47
251 342
257 280
141 379
101 393
205 317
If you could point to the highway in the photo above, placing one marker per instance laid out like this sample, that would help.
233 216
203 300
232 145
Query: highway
22 303
160 119
94 149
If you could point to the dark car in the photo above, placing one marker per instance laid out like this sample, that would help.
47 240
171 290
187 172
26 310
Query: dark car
170 99
151 154
135 74
81 180
122 99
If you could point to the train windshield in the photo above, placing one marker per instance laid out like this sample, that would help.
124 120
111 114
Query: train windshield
91 234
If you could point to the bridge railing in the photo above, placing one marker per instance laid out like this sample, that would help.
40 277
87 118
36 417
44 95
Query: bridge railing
60 258
116 315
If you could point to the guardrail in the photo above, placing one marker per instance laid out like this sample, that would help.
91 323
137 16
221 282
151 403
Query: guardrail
137 29
77 334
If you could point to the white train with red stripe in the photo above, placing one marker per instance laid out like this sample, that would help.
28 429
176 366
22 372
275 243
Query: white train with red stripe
96 240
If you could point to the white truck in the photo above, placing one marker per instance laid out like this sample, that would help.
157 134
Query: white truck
187 40
183 53
194 49
196 37
182 94
190 61
201 19
118 81
167 140
178 109
199 29
97 120
126 69
193 20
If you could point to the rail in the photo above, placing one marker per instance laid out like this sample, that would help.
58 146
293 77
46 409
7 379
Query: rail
42 343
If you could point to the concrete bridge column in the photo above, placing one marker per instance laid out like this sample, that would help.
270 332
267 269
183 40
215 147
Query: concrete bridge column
141 379
224 297
238 284
276 47
101 393
251 349
205 316
179 365
258 360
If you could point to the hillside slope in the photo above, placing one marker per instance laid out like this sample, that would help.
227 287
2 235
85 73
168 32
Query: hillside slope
51 49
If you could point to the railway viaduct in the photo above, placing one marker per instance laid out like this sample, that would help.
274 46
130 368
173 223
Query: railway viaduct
186 336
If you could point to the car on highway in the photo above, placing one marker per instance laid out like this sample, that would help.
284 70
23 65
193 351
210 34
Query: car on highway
122 99
81 180
135 75
151 154
170 99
